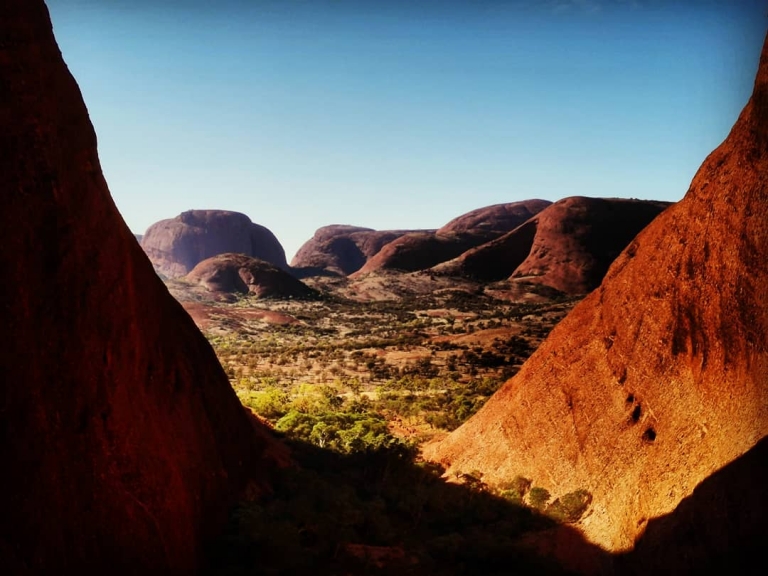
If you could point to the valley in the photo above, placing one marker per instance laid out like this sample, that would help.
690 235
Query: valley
422 363
566 386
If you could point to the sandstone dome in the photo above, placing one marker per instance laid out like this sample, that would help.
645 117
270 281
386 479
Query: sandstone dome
236 273
176 245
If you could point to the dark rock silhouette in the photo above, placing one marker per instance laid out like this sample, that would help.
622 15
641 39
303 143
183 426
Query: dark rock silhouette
230 273
177 245
121 441
660 376
568 246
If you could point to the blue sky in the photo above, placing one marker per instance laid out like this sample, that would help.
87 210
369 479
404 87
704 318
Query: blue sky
395 114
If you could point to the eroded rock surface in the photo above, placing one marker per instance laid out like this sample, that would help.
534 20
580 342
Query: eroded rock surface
660 376
121 441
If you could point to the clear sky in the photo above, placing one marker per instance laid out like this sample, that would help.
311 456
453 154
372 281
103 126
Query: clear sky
402 114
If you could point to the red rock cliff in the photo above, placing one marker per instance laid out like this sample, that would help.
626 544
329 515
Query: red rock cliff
122 444
660 376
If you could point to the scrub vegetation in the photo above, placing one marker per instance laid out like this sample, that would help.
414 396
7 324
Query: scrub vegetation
355 388
416 366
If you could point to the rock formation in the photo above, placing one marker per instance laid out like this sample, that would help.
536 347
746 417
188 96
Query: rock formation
122 443
719 529
177 245
340 249
659 377
494 260
567 246
492 221
417 251
230 273
425 249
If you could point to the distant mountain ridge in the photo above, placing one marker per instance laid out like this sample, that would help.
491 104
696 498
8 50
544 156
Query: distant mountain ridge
345 250
340 249
567 246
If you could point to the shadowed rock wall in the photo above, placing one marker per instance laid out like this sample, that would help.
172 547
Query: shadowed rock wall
122 444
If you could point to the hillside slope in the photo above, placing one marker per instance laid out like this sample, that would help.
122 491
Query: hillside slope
236 273
420 250
660 376
567 246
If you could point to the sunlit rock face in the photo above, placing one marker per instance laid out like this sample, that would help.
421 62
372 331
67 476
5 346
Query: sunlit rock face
567 246
122 444
719 529
177 245
660 376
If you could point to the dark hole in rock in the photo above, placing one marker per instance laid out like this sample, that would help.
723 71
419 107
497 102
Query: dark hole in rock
636 413
649 435
630 398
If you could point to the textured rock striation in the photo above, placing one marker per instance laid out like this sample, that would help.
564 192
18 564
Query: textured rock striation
122 443
177 245
236 273
659 377
567 246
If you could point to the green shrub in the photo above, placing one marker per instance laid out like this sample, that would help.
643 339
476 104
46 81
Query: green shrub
343 432
270 403
515 489
538 497
570 507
